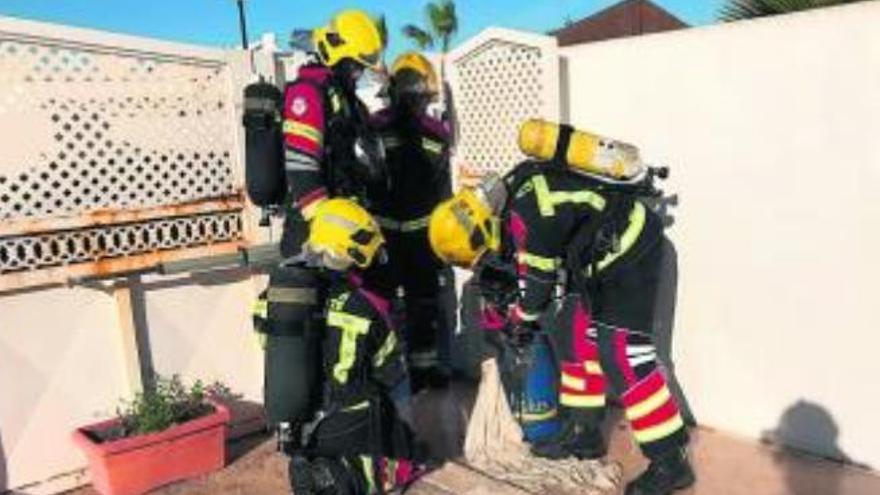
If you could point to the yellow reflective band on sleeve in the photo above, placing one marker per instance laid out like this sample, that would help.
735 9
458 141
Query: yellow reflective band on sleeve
582 401
360 406
261 308
636 223
540 262
648 405
432 146
539 416
548 201
387 348
352 327
660 431
303 130
369 473
593 367
573 382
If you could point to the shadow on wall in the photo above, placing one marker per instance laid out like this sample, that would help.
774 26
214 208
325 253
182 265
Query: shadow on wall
808 429
3 478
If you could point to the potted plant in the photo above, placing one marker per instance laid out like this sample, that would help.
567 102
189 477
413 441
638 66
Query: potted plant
166 434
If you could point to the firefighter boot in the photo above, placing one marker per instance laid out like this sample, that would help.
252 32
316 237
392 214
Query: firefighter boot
578 436
665 475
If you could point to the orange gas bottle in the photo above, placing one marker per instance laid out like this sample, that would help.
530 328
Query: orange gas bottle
583 151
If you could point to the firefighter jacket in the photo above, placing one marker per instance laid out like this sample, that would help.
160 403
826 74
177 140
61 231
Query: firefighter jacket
362 350
554 213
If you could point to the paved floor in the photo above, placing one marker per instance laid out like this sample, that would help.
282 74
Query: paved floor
724 465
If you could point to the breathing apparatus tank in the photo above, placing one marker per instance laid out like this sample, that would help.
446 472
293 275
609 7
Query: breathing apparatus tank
264 164
530 376
582 151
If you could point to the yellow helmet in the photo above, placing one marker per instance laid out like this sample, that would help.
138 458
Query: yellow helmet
343 234
464 228
416 74
351 34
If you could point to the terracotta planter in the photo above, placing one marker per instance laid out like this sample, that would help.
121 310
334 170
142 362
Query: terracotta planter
135 465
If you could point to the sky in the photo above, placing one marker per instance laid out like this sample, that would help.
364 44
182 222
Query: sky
215 22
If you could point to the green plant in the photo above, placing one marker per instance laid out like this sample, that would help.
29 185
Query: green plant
736 10
169 402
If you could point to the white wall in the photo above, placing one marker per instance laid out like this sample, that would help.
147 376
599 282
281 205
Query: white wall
771 128
62 357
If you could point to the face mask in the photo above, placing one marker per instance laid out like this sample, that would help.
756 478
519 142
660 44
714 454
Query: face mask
371 88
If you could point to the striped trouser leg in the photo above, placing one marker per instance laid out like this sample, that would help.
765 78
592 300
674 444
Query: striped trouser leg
582 384
630 360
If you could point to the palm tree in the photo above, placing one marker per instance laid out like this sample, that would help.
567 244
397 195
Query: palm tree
736 10
442 26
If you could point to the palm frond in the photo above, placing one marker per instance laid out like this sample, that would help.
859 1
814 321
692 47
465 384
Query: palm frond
443 20
737 10
382 25
420 37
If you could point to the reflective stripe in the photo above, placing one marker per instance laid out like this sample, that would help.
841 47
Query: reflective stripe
539 416
525 316
648 405
405 226
387 348
660 431
425 359
260 308
593 367
303 130
417 224
542 192
352 327
432 146
360 406
640 360
291 295
297 162
540 262
582 401
369 473
636 223
573 382
548 201
392 141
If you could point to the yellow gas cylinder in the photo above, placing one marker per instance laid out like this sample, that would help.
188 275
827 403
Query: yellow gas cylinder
587 152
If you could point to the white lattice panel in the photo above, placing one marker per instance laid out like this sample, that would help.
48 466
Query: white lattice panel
500 78
93 128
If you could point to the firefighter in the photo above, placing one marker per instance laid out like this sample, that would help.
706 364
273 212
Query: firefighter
548 220
327 152
357 443
416 147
